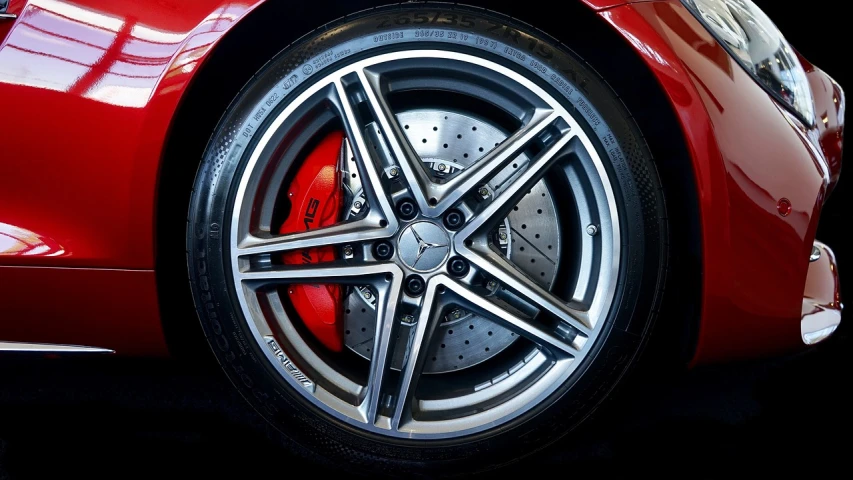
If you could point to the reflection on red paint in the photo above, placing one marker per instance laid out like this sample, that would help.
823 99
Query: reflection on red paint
89 53
16 241
93 86
748 153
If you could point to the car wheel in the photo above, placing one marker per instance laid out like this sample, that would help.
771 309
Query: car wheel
426 238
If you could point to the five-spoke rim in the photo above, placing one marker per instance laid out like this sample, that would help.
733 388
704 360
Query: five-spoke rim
562 330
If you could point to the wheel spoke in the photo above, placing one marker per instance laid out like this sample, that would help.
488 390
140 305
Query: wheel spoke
498 209
406 157
528 328
413 362
384 340
505 349
332 272
371 180
365 229
511 277
447 194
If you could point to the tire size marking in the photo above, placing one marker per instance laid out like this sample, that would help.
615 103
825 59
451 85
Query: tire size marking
449 34
421 18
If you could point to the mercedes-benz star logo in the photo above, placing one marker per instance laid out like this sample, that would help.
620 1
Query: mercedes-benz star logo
424 246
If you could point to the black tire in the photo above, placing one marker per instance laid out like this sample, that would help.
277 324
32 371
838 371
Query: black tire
639 290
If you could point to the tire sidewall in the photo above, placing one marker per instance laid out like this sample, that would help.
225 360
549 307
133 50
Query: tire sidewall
538 58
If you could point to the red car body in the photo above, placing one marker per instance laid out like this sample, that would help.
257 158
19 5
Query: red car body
90 91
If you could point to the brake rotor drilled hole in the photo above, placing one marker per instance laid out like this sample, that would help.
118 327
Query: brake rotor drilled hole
438 138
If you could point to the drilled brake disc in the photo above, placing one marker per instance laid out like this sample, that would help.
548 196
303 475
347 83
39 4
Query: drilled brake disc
448 142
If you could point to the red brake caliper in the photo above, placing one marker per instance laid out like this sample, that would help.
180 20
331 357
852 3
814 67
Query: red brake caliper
315 197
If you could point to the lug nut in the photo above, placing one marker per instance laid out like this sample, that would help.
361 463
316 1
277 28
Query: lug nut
484 192
407 209
393 172
415 285
383 250
454 219
458 266
348 251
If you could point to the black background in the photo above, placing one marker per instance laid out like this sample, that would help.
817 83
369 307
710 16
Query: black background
126 418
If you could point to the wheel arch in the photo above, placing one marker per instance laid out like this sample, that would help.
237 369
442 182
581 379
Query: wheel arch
611 55
223 73
228 68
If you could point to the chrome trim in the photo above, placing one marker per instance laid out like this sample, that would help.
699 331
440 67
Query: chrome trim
8 16
815 255
24 347
822 307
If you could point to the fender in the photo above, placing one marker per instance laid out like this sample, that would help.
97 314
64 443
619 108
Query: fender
123 68
755 253
107 78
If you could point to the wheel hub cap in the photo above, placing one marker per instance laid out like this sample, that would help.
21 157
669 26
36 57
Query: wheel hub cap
424 246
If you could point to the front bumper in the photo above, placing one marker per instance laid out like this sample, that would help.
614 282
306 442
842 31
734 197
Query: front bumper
822 305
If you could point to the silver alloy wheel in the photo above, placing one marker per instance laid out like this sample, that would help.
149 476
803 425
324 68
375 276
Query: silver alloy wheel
559 331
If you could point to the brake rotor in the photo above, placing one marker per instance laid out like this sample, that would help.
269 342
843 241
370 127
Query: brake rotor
447 142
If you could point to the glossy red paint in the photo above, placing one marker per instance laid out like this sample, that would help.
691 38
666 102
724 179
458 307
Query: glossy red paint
605 4
92 86
748 153
829 125
113 309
